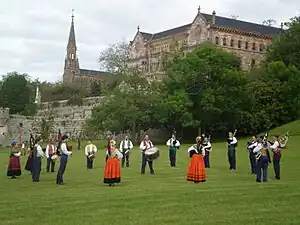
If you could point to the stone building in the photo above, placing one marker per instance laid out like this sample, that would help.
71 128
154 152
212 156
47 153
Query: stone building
73 74
244 39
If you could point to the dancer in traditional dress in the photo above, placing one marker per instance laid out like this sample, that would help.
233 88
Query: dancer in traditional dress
232 144
50 151
14 165
252 158
173 145
262 156
196 169
276 148
37 154
29 163
207 149
146 144
125 147
90 150
112 172
63 160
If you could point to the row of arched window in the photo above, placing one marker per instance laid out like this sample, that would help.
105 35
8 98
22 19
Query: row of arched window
239 44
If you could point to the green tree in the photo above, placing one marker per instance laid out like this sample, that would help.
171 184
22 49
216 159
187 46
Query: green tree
114 58
129 107
15 92
213 83
286 47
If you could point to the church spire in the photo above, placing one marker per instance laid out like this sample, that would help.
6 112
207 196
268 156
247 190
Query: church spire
72 30
71 61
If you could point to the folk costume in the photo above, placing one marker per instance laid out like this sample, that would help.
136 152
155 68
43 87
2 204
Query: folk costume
89 152
262 156
50 152
37 154
14 165
207 149
110 142
125 147
112 171
276 149
252 157
63 160
232 144
173 145
146 144
29 163
196 169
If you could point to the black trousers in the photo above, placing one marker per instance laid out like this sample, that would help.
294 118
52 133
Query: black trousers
144 162
252 159
206 160
62 168
172 157
276 165
125 158
36 169
89 163
50 163
232 159
262 165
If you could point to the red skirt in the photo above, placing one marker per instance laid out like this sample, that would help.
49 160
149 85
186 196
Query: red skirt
14 167
112 172
196 170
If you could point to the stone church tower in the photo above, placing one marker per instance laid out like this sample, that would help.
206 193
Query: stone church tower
73 75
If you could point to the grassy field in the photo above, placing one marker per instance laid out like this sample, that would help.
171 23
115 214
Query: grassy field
163 198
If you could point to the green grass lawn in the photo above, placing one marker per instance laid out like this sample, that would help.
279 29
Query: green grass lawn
163 198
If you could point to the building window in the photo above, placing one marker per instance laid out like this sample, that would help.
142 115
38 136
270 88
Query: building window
224 41
231 42
261 47
217 40
253 46
252 63
246 45
239 44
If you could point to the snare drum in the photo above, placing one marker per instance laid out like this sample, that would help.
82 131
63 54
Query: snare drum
152 154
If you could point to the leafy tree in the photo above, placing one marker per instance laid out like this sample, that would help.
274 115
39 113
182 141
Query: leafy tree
15 92
286 47
129 107
114 58
96 89
212 81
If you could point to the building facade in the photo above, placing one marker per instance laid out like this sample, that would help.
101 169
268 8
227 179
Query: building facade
73 74
246 40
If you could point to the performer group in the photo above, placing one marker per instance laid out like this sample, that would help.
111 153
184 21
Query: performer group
58 150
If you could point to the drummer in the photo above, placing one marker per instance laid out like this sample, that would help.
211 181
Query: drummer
146 144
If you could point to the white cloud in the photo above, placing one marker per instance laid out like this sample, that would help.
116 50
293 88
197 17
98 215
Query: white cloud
34 33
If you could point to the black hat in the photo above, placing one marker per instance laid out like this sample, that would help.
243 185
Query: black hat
64 137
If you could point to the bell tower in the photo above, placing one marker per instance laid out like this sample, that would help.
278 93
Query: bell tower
71 61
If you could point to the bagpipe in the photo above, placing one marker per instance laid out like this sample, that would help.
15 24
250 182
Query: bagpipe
283 140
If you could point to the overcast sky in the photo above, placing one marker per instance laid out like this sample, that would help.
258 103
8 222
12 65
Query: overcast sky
34 33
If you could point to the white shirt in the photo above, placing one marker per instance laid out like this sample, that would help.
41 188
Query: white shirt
275 146
90 148
234 141
258 147
208 146
23 146
192 148
64 149
127 144
253 145
170 142
143 147
39 150
47 150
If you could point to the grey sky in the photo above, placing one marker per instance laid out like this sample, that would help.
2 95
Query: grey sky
34 33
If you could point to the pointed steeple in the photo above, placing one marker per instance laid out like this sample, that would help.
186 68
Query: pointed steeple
72 30
71 61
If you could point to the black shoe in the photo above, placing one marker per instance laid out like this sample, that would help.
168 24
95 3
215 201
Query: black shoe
152 172
259 181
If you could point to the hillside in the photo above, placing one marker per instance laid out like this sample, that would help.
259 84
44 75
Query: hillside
293 128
